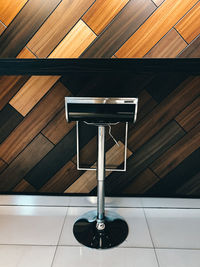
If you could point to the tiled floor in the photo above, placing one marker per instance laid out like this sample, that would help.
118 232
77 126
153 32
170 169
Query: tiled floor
41 236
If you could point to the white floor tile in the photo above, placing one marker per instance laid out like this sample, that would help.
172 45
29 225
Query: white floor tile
174 228
178 257
138 231
31 225
23 256
153 202
117 257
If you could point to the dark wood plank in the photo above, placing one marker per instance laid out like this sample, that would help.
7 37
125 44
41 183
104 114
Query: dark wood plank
123 26
9 85
176 154
144 156
57 26
24 162
9 119
24 186
3 165
66 176
191 187
58 157
164 112
34 122
58 127
191 51
190 116
23 27
2 28
169 184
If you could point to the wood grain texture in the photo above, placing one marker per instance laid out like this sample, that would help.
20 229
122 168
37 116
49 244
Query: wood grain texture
32 91
24 186
76 41
9 85
191 51
164 112
102 12
9 119
62 179
141 182
9 9
158 2
34 122
189 25
144 156
57 26
163 19
25 53
168 47
2 28
26 160
190 116
191 187
23 27
58 127
3 165
87 181
124 25
182 149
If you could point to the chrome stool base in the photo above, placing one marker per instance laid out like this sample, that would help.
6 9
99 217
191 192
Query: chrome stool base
111 232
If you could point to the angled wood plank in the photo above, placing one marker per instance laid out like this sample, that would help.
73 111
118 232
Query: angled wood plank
163 19
191 51
25 53
189 25
164 112
191 187
59 23
23 27
34 122
169 46
176 154
158 2
190 116
9 9
122 27
3 165
58 127
76 41
2 28
88 180
24 186
9 119
141 182
25 161
102 12
144 156
32 91
9 85
62 179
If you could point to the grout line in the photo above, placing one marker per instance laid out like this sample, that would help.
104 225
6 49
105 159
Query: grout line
180 126
198 36
31 51
1 22
180 35
48 139
90 29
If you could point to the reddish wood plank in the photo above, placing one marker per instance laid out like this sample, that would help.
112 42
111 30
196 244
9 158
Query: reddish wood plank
25 161
34 122
102 12
32 91
160 22
169 46
164 112
58 127
191 51
190 116
9 9
3 165
189 25
9 85
177 153
25 53
141 182
24 186
62 179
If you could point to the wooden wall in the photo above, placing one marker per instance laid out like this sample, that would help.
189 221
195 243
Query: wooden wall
37 146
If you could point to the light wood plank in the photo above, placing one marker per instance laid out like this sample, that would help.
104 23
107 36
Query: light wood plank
59 23
177 153
25 53
76 41
32 91
24 186
9 9
161 21
189 25
158 2
168 47
102 12
190 116
88 180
